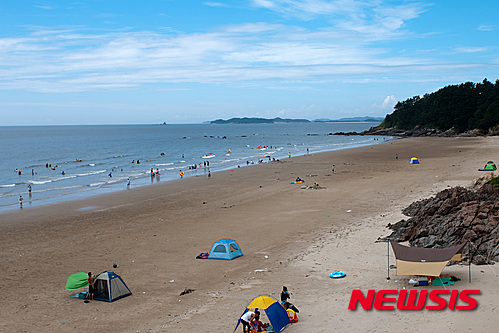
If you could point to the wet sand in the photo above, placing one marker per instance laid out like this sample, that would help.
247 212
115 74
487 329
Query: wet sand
289 236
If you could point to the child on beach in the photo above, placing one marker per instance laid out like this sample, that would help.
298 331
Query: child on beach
90 280
256 324
247 318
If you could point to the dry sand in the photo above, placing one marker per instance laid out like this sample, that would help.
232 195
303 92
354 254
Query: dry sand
289 237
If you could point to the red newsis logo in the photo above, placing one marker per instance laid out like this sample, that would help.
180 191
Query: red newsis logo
414 299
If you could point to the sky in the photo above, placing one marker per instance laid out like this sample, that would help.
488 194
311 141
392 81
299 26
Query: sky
88 62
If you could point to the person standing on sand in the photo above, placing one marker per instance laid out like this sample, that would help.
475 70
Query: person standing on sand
284 295
332 169
247 318
128 183
209 174
21 201
91 290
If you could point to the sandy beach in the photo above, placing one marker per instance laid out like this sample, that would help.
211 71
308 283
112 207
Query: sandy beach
289 236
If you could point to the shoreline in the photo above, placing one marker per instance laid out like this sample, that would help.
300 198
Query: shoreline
168 176
145 181
288 236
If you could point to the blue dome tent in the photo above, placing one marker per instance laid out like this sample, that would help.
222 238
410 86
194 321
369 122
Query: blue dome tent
226 249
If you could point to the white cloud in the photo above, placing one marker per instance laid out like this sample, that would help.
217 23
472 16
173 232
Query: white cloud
214 4
389 102
366 17
354 49
471 49
43 7
488 27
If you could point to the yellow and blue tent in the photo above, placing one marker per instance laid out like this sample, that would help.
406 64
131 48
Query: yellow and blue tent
414 160
276 314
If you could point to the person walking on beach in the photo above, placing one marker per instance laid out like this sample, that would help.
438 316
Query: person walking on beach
289 155
91 290
332 169
209 174
128 183
21 201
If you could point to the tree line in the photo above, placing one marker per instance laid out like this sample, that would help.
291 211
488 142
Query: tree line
462 107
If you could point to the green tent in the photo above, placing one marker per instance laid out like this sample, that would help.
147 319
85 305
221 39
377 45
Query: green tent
490 166
77 280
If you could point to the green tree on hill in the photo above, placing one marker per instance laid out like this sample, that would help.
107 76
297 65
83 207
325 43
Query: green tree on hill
462 107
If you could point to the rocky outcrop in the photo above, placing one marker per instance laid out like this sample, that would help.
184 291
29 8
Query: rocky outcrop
452 217
417 131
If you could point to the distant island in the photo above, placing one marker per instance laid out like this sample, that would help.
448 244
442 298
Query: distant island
246 120
276 120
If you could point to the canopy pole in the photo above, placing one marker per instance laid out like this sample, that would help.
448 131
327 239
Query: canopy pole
469 260
388 257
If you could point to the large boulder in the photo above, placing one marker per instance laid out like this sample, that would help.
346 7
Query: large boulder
454 216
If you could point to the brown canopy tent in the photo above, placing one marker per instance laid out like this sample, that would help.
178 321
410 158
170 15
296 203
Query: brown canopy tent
424 261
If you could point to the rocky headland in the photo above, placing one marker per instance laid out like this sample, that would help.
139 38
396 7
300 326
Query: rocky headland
454 216
420 131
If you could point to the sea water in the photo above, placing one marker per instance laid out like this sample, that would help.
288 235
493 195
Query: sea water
72 162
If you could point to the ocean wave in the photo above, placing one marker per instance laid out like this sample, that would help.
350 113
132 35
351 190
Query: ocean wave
41 182
163 164
38 191
8 185
90 173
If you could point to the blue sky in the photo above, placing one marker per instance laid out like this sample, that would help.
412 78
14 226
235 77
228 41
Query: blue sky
186 61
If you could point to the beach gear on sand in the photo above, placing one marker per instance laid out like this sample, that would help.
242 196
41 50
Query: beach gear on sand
226 249
202 255
490 166
444 281
337 275
109 287
292 316
76 281
424 261
276 314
